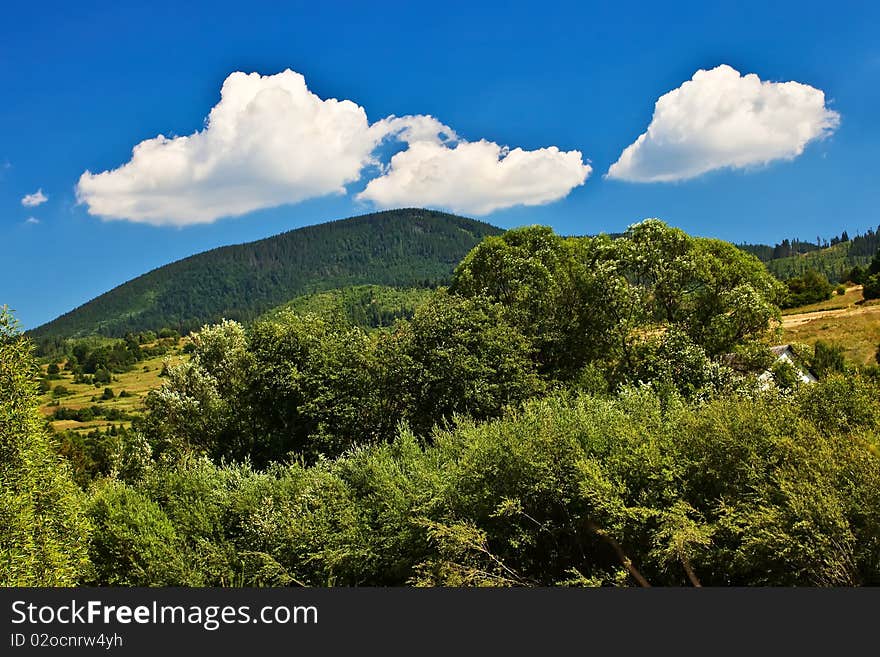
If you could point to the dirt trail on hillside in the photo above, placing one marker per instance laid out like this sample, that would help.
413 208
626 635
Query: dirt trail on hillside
789 321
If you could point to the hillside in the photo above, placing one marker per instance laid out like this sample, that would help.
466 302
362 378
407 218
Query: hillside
834 259
834 262
398 248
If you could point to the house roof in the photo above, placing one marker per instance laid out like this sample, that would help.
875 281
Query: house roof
742 365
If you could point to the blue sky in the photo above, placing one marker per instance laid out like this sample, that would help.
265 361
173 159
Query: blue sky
83 83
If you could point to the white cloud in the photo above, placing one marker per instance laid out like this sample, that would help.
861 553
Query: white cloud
270 141
35 199
31 220
721 119
475 177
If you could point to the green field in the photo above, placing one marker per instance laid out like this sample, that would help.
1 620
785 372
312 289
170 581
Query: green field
142 378
848 321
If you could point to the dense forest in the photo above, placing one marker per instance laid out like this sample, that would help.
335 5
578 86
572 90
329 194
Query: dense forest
401 248
566 412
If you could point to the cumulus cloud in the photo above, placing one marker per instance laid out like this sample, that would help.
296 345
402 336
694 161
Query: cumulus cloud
475 177
271 141
31 220
35 199
721 119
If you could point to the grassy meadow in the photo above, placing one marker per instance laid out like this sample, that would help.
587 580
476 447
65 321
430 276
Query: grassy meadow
137 382
847 320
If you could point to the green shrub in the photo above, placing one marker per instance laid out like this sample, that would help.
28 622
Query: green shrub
134 543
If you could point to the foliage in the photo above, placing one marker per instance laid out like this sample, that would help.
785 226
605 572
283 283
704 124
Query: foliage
457 356
557 291
566 413
757 489
314 385
812 287
827 359
42 528
871 289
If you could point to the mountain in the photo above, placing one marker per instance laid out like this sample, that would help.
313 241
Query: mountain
397 248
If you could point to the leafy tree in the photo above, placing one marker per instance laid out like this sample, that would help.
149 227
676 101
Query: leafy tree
857 275
874 267
535 275
43 531
108 394
785 375
871 289
812 287
458 356
313 387
673 361
590 299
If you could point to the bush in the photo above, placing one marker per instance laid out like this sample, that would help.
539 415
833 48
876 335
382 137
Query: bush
102 376
60 391
840 290
827 359
134 544
108 394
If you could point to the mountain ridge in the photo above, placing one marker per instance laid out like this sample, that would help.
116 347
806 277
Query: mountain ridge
399 248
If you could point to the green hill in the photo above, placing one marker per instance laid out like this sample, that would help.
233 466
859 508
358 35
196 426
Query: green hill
835 260
399 248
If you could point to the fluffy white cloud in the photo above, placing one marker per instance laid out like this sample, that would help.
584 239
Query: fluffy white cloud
721 119
271 141
475 177
35 199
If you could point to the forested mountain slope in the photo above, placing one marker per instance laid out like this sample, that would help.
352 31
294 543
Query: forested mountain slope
400 248
834 259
